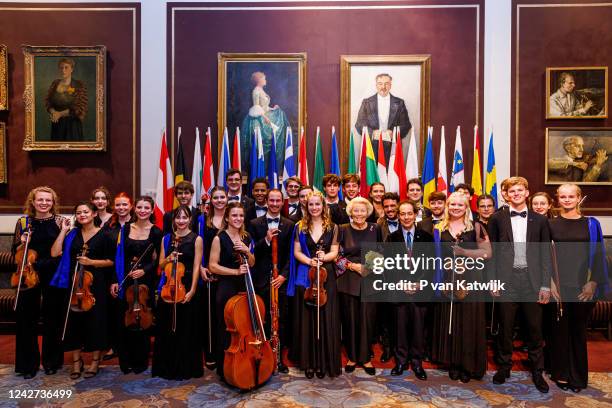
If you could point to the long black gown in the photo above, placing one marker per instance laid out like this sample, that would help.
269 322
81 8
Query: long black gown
27 354
324 354
208 305
178 355
88 331
134 346
466 347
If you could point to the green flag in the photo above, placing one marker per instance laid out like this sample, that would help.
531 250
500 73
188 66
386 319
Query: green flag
319 170
352 166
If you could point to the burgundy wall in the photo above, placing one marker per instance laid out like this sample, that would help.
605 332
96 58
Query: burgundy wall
447 34
74 174
553 37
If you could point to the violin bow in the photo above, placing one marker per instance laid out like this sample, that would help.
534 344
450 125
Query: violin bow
133 268
23 262
76 268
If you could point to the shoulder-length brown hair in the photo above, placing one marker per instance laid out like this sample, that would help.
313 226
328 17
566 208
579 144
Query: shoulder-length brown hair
228 209
211 209
28 207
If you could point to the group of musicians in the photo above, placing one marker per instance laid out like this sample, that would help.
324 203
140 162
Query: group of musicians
112 248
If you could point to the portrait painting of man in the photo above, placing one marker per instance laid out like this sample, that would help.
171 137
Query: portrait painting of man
580 155
576 93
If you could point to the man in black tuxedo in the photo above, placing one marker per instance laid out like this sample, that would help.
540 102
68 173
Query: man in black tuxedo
389 223
410 316
262 229
303 193
260 195
183 191
415 194
233 179
437 202
521 260
337 208
292 203
381 113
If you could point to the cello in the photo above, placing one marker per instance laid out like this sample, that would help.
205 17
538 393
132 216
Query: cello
249 360
26 274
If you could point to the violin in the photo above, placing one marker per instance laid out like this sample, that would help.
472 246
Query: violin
81 298
173 290
138 316
316 295
249 361
26 276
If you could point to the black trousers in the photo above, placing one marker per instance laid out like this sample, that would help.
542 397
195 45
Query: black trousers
520 288
410 332
283 311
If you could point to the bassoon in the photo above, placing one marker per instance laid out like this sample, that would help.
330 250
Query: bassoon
274 338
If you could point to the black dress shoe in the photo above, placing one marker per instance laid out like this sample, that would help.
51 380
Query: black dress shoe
563 386
453 374
349 368
29 376
283 369
575 390
309 373
109 356
386 355
369 370
211 365
125 370
50 371
419 372
320 374
398 369
539 381
465 377
501 375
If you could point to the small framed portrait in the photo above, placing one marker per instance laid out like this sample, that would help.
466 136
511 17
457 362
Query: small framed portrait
3 77
262 91
383 92
3 175
65 98
577 93
578 155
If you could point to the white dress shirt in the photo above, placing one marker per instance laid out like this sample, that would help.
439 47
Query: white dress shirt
519 233
384 105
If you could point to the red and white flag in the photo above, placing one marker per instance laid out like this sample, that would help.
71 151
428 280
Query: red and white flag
397 173
382 163
302 160
442 179
236 159
208 172
165 183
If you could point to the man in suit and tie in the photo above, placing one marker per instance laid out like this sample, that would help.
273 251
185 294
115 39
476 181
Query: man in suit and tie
183 191
409 316
260 195
521 259
262 229
233 180
437 202
382 112
292 203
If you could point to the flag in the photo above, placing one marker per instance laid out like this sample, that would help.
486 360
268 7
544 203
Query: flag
224 160
412 161
476 177
397 173
208 174
457 176
429 175
334 162
319 169
442 180
163 191
289 165
236 158
272 169
253 160
381 165
196 171
491 176
302 160
179 166
367 164
351 167
261 161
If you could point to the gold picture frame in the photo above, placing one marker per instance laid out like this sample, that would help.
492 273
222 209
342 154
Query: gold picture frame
4 101
571 156
3 170
284 79
358 83
576 92
65 117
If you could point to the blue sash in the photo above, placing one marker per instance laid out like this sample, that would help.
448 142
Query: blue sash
439 275
61 278
596 242
298 272
120 259
162 280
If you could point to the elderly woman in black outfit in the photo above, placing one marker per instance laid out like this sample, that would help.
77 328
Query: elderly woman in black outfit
359 318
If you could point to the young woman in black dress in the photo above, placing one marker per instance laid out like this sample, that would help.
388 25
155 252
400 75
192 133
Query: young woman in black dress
213 222
177 354
315 242
464 351
87 244
44 224
359 318
581 266
101 199
223 262
141 239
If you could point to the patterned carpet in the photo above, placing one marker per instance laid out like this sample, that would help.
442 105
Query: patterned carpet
111 389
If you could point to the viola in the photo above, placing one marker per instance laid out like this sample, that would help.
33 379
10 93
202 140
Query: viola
138 316
26 276
81 298
249 361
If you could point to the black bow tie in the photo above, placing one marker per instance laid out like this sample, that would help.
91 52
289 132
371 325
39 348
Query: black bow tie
436 222
260 208
294 205
520 214
393 223
234 198
271 220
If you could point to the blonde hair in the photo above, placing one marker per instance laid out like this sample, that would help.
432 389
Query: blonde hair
578 191
28 207
305 224
359 200
444 224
